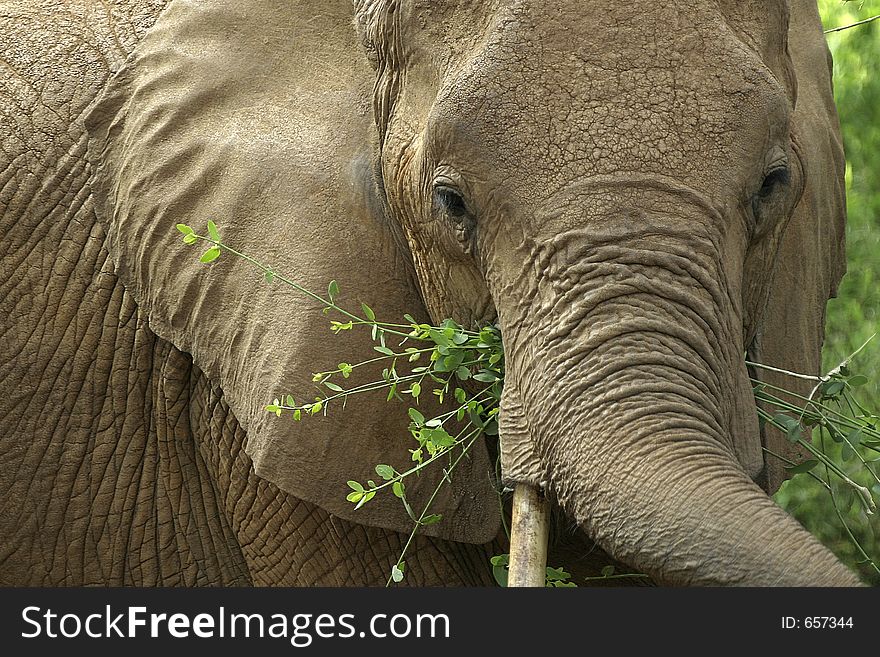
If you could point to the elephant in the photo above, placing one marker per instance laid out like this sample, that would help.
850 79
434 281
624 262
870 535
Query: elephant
638 194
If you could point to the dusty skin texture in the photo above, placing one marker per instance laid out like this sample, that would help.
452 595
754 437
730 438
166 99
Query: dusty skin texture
604 178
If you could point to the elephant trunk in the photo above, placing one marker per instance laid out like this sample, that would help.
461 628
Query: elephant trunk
631 361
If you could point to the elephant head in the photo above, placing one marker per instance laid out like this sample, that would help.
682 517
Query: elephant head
638 193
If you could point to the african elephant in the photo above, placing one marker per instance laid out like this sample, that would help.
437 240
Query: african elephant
637 193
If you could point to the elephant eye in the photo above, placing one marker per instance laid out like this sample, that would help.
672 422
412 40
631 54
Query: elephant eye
450 201
768 203
777 177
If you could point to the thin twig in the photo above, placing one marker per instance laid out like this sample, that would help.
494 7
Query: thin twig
846 27
795 375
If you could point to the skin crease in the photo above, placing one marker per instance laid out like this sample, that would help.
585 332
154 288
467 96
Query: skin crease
611 200
623 261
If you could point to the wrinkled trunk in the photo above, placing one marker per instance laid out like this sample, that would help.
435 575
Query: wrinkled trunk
632 365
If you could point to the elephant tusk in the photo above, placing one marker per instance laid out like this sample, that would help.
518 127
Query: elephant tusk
529 532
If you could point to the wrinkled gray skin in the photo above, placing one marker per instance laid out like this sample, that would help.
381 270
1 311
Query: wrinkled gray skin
603 177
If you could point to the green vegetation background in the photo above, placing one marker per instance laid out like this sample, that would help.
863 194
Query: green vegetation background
853 316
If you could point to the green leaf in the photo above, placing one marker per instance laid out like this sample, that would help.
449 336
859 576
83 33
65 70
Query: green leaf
269 276
485 377
333 386
384 350
272 408
385 471
463 373
333 291
432 519
442 438
368 312
212 231
415 390
355 485
297 415
499 568
290 401
556 574
858 380
183 228
607 571
459 338
806 466
831 388
438 338
835 433
316 408
397 572
355 496
210 255
416 416
398 489
791 426
366 498
855 437
190 239
454 360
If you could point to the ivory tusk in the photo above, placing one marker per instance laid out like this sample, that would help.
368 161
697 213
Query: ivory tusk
529 532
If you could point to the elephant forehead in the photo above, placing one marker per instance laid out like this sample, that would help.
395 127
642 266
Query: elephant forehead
584 92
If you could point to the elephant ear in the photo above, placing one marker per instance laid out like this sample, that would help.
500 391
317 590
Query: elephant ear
256 115
811 258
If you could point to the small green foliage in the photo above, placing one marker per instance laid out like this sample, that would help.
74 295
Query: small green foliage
416 416
386 472
210 255
212 231
399 489
500 564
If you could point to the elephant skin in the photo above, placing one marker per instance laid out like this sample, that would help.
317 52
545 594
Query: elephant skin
638 194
